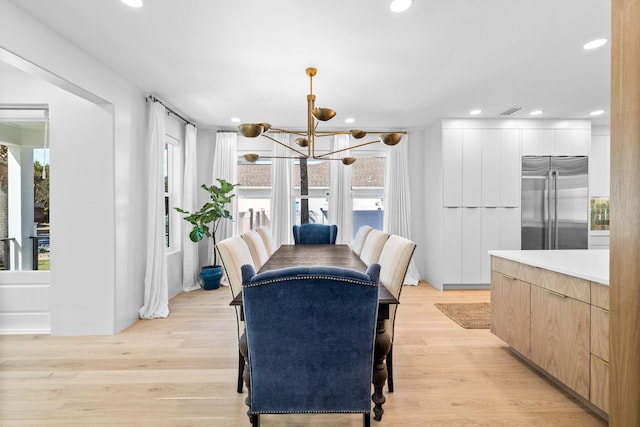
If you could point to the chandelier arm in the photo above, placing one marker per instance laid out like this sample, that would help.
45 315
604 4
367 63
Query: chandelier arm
285 145
280 157
333 133
291 132
345 149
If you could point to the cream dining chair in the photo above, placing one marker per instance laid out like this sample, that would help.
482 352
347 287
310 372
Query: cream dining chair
235 253
256 247
394 262
373 246
267 237
358 241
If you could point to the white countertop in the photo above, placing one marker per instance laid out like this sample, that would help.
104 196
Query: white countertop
583 263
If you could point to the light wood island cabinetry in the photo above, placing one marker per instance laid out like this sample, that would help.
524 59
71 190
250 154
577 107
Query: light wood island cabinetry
556 321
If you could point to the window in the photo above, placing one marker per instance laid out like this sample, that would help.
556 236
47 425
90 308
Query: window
254 194
367 184
172 191
24 190
318 172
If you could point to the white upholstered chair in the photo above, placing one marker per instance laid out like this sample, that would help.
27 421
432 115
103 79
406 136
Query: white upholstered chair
372 247
234 253
358 241
267 237
394 262
256 247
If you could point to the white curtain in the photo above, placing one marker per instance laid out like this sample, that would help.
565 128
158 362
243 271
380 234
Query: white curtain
340 203
225 166
190 269
397 200
282 212
156 288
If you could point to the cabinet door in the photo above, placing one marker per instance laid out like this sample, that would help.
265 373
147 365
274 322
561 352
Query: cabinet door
538 142
600 166
560 337
491 167
510 225
510 167
572 142
510 311
452 167
472 246
452 246
471 167
600 383
564 142
490 239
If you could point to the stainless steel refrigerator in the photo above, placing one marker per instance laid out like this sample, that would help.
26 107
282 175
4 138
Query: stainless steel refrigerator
555 202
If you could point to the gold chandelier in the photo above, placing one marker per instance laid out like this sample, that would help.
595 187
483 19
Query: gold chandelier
315 115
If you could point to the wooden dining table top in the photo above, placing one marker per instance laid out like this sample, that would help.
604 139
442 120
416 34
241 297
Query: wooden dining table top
325 255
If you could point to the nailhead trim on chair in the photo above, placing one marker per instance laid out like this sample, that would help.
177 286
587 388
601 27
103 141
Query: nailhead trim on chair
307 277
343 411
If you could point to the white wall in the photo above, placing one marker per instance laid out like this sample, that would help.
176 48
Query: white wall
96 288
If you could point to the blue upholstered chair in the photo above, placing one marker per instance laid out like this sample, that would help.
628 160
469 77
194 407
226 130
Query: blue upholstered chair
315 234
320 360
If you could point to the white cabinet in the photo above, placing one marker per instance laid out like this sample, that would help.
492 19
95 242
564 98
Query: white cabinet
471 246
555 142
452 246
472 167
572 142
491 167
500 231
481 178
469 234
510 226
510 168
452 167
538 142
600 166
491 237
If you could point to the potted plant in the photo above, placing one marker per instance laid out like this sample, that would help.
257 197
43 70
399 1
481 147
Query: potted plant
205 223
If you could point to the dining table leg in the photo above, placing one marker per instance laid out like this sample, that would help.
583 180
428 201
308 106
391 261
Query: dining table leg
382 347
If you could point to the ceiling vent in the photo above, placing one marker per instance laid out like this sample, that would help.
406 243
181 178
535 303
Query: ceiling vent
510 111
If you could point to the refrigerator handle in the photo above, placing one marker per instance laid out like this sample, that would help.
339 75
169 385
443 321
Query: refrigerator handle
547 209
555 209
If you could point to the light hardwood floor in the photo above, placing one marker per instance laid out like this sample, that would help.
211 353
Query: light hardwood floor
181 371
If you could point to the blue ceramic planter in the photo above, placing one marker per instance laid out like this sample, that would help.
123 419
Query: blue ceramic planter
211 276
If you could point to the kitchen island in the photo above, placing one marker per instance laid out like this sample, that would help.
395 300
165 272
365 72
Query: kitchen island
552 308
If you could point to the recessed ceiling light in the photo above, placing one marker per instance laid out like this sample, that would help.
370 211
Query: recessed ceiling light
594 44
475 112
596 112
349 120
132 3
400 5
536 112
235 119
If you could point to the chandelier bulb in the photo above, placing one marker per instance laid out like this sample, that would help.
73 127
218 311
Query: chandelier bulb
251 157
323 114
348 160
251 130
390 138
357 133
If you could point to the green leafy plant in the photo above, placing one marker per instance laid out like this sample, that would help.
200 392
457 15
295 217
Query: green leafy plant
206 220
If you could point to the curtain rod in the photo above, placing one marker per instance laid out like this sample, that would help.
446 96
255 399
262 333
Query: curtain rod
169 109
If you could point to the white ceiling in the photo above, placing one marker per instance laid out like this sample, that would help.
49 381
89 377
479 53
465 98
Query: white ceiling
212 59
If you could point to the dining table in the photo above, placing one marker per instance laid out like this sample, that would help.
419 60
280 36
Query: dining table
335 256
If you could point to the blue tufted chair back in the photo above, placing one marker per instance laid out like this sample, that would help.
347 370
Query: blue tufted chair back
310 334
315 234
